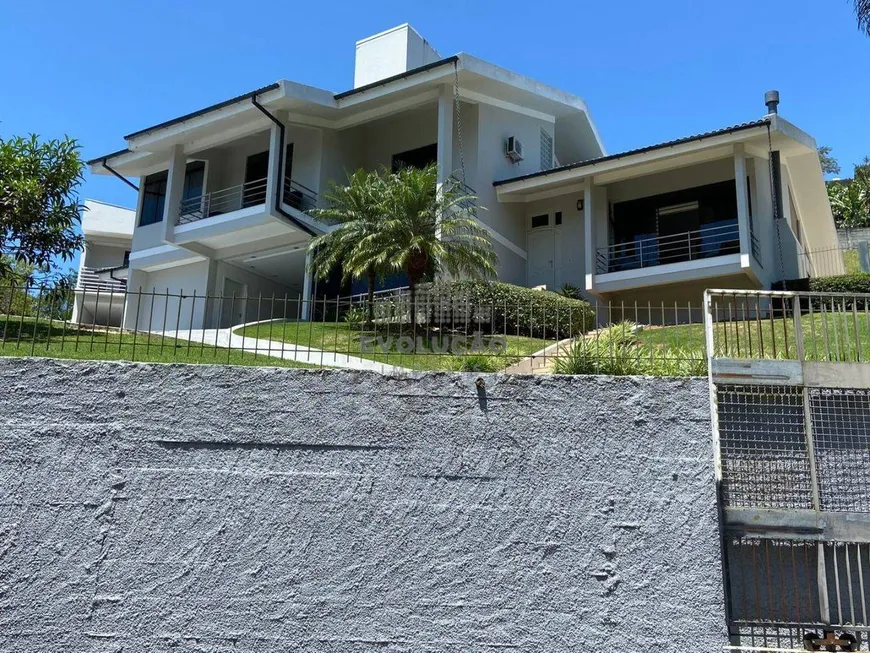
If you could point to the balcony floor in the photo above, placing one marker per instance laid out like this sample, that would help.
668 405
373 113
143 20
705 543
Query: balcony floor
708 268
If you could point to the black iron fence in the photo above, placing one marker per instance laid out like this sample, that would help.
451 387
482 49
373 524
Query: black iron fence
539 332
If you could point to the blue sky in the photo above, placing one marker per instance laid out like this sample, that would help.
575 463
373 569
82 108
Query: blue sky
650 71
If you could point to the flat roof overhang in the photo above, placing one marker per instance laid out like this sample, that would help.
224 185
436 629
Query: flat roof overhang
303 105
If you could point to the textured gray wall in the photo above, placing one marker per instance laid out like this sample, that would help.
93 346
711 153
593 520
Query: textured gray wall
149 508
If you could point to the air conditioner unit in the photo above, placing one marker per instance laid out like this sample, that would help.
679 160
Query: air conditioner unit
513 149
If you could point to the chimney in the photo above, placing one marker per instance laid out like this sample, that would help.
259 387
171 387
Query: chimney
771 99
390 53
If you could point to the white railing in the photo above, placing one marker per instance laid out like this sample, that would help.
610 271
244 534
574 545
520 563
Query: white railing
644 252
93 280
251 193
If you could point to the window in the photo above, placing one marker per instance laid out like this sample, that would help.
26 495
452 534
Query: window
540 221
194 178
546 150
153 198
558 218
126 258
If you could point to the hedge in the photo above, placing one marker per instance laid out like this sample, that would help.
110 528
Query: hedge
502 308
857 283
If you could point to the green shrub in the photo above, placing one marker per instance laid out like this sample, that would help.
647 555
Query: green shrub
477 363
858 283
847 283
355 316
500 308
571 291
615 351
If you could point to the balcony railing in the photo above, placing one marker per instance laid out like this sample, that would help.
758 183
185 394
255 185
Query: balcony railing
94 280
251 193
299 196
644 251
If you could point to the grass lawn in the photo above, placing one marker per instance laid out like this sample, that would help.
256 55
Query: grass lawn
843 336
59 340
346 339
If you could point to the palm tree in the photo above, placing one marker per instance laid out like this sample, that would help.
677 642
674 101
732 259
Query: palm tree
356 210
862 10
428 228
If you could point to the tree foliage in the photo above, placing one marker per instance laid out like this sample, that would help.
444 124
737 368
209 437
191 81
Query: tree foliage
427 229
850 198
830 166
862 11
39 208
356 210
402 222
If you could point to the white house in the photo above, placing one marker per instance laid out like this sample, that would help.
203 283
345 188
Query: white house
103 266
225 193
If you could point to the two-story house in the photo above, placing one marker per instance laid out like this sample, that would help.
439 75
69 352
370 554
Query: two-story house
226 192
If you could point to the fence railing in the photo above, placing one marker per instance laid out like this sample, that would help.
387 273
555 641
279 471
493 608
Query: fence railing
226 200
93 280
538 333
806 326
485 331
650 251
835 261
299 196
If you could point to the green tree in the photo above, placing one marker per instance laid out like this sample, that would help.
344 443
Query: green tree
427 228
830 166
850 198
356 211
39 208
849 204
862 11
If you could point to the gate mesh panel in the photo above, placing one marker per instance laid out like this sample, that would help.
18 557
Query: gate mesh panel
763 447
841 435
773 581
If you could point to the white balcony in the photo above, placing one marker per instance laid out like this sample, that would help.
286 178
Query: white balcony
223 201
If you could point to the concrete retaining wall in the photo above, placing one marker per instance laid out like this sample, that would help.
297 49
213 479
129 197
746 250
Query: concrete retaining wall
149 508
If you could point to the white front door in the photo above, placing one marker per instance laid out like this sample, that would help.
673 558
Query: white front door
541 253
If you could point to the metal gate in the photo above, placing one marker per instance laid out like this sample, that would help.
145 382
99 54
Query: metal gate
790 395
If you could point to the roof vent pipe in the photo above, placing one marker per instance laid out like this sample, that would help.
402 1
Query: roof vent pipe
771 99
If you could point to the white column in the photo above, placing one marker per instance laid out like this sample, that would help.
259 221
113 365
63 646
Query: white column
276 159
306 288
445 133
174 190
589 233
136 303
742 205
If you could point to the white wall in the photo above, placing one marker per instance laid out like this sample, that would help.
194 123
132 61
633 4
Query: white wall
494 127
256 287
307 155
165 308
97 255
342 154
227 163
389 53
672 180
400 133
99 218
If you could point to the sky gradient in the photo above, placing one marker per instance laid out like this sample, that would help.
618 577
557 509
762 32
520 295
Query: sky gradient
649 71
